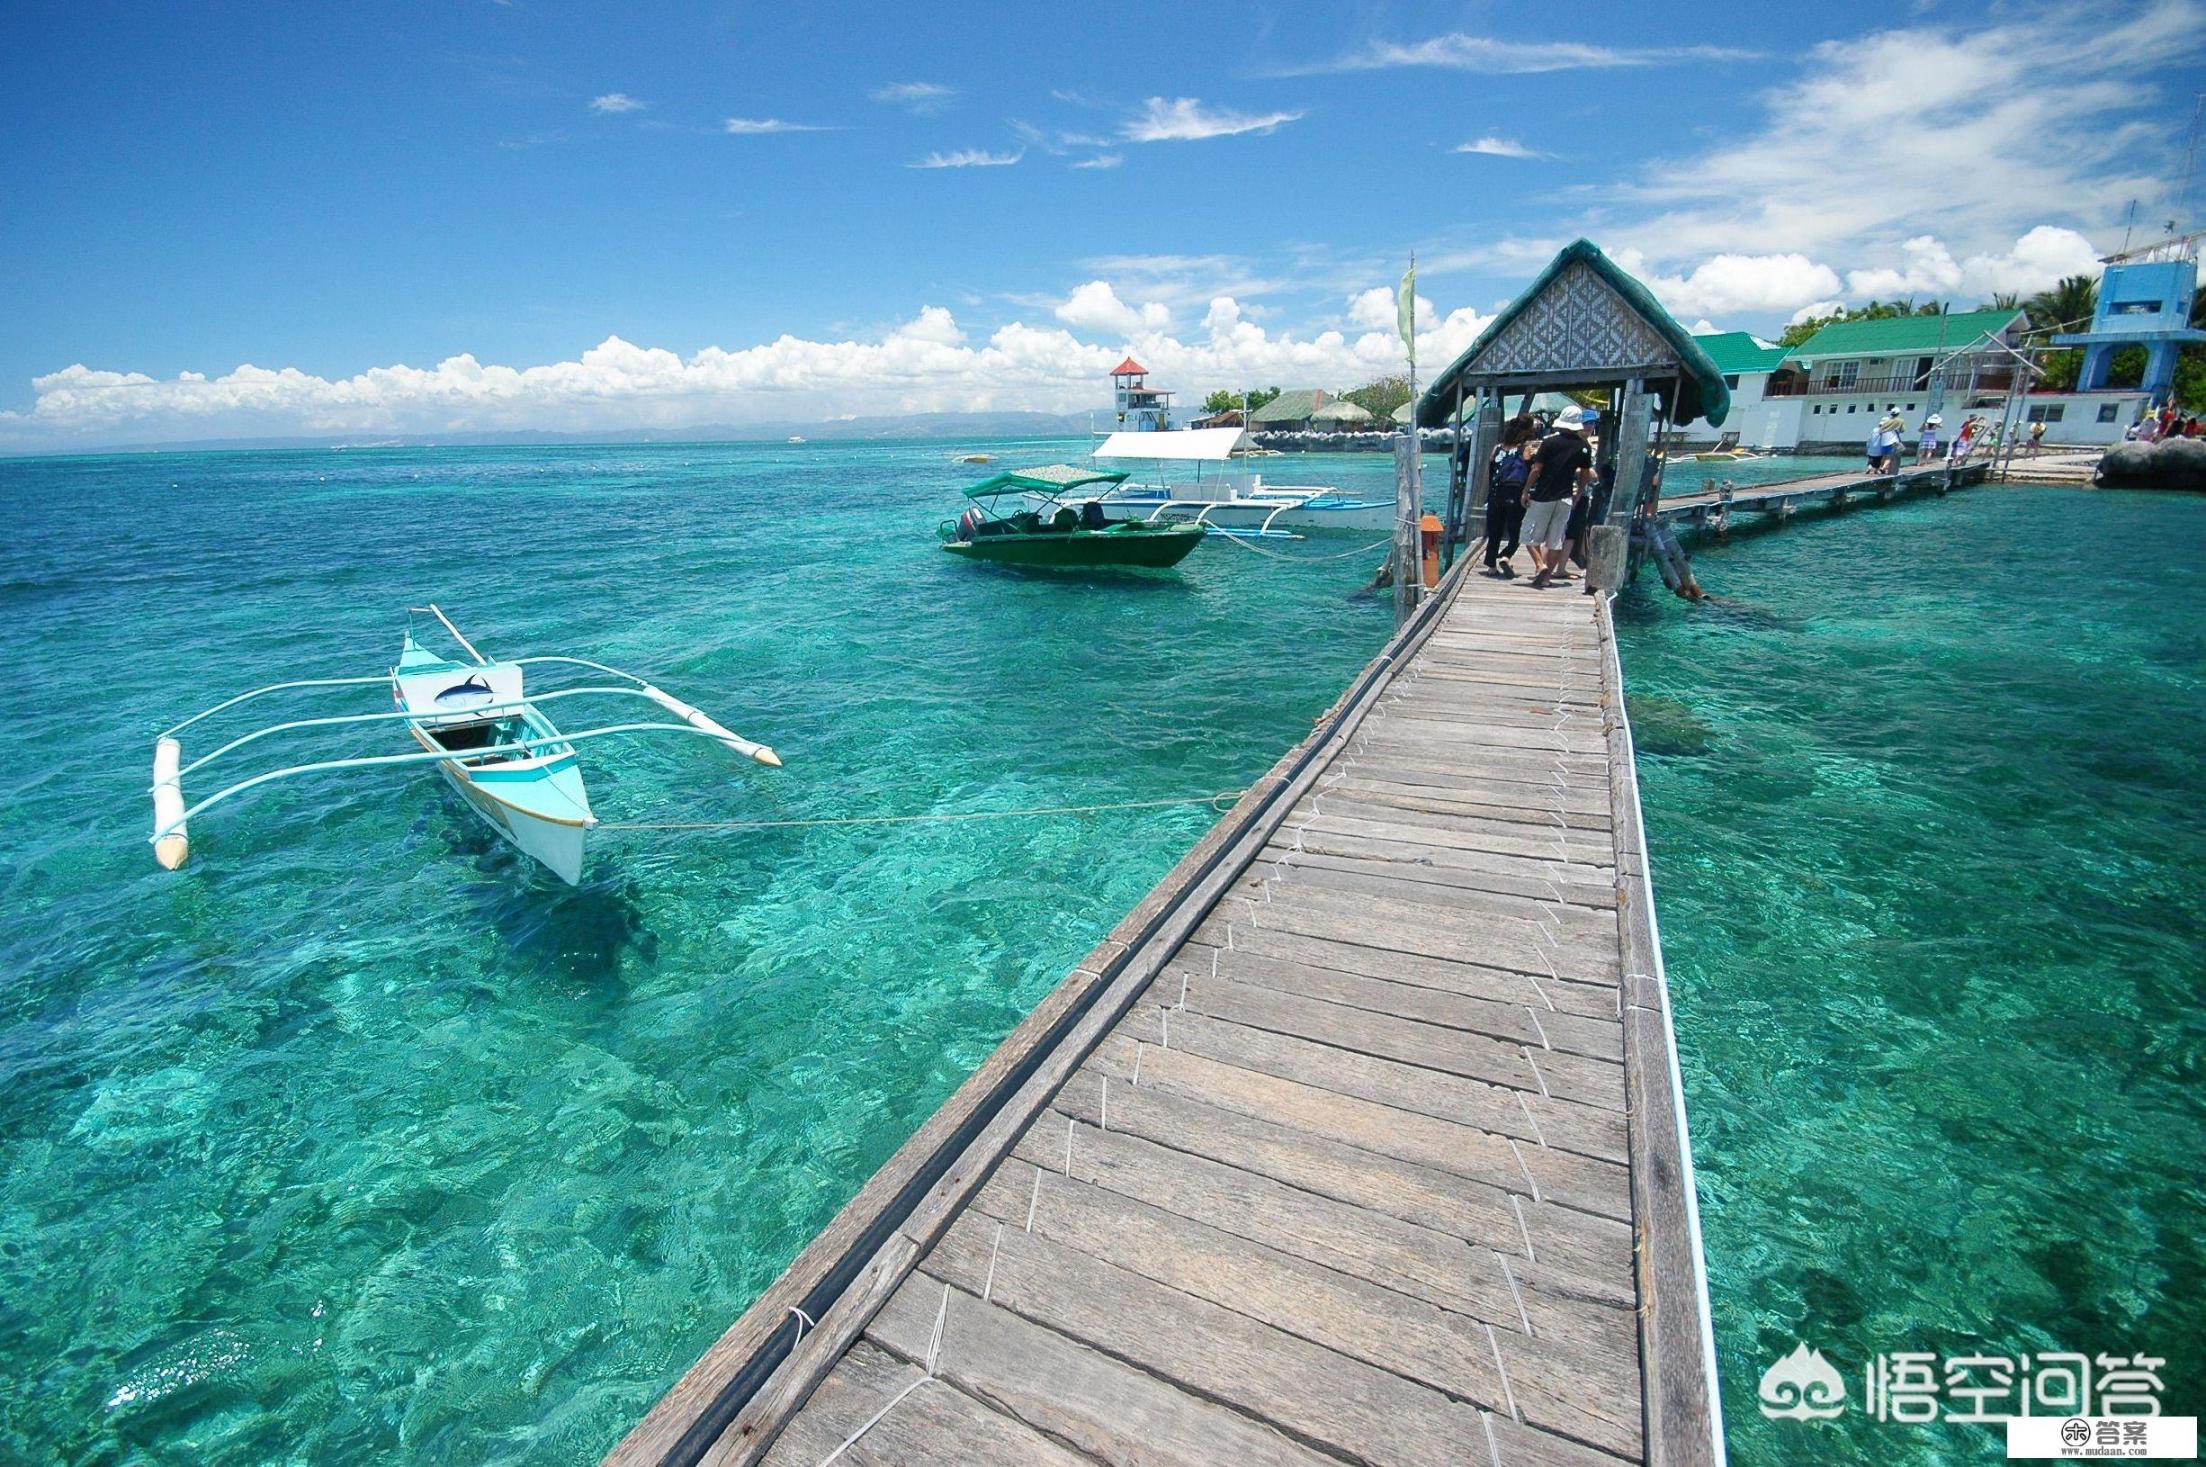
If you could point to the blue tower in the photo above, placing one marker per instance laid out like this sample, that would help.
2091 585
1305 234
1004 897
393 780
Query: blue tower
2143 303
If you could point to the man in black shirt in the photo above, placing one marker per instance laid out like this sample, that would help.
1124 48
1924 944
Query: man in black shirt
1560 469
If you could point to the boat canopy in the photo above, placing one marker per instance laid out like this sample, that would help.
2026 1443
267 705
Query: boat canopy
1212 445
1049 479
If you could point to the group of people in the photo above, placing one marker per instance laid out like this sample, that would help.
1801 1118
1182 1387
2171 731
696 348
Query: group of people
1543 493
1885 443
2167 423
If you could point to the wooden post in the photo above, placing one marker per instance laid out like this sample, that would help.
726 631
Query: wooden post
1485 435
1406 509
1633 462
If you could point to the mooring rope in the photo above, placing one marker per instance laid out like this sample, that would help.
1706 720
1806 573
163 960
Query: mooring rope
1220 801
1306 559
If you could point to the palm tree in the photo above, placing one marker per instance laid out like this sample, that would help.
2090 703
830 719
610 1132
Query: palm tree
2068 306
2005 300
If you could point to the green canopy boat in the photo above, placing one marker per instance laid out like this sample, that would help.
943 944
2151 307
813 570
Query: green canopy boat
1066 531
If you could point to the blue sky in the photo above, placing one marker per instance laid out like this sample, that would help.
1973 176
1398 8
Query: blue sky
721 201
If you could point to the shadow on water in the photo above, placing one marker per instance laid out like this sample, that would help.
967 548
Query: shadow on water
582 932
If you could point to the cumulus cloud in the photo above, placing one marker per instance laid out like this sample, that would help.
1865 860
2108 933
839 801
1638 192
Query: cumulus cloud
921 97
617 102
761 126
1095 306
928 363
1460 51
2037 260
1815 310
1730 284
1494 147
968 158
1947 122
1185 119
1377 309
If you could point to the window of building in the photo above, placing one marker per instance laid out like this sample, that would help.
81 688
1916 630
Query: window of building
2109 411
1850 407
1731 380
1818 410
1846 374
2048 414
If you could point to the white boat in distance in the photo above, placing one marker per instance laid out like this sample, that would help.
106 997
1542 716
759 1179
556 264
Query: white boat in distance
1232 501
473 721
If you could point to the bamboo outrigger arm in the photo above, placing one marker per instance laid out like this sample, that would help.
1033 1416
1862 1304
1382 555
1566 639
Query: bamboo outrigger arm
170 838
172 826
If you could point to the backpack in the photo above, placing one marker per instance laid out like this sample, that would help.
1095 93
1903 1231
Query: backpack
1510 475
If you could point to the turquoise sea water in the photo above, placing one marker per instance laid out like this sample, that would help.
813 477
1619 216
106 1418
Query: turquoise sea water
1928 837
363 1139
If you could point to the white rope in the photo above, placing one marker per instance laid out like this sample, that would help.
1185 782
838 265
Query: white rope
804 1322
954 815
1305 559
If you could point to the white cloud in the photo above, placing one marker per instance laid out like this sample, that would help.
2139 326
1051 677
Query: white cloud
1728 284
924 98
926 364
1377 309
1496 147
761 126
617 102
1095 306
1885 132
1704 327
2037 260
968 158
1815 310
1185 119
1101 160
1459 51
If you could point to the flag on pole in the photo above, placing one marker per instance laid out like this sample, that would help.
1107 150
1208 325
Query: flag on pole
1405 310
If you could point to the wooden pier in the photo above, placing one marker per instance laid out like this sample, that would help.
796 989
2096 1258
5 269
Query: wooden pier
1359 1140
1713 507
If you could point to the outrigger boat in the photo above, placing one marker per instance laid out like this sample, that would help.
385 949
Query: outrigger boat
474 722
1056 534
1231 502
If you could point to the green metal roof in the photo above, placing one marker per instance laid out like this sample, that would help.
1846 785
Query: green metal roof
1699 392
1741 351
1050 479
1899 335
1288 407
1341 410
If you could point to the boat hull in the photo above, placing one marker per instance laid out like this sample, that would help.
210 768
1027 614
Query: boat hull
552 841
1119 549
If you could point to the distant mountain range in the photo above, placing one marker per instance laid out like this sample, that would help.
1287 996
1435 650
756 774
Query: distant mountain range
908 425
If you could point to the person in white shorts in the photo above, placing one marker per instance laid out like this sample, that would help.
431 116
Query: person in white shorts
1560 469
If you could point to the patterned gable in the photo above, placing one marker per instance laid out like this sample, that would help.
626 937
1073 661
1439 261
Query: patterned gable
1578 322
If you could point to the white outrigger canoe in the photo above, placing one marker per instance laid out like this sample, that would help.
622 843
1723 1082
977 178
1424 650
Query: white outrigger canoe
1233 502
489 740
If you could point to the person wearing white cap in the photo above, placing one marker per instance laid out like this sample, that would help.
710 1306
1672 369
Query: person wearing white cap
1927 448
1560 468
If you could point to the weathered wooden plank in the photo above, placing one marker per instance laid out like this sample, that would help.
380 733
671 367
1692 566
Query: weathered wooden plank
1382 869
917 1425
1513 1020
1527 1116
1568 994
1553 842
1366 1155
1683 1422
1493 942
1317 1394
1072 1393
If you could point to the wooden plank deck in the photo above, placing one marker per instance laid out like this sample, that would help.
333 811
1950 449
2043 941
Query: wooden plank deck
1708 508
1358 1141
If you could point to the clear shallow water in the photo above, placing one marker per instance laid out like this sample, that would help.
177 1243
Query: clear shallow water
364 1138
1928 840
